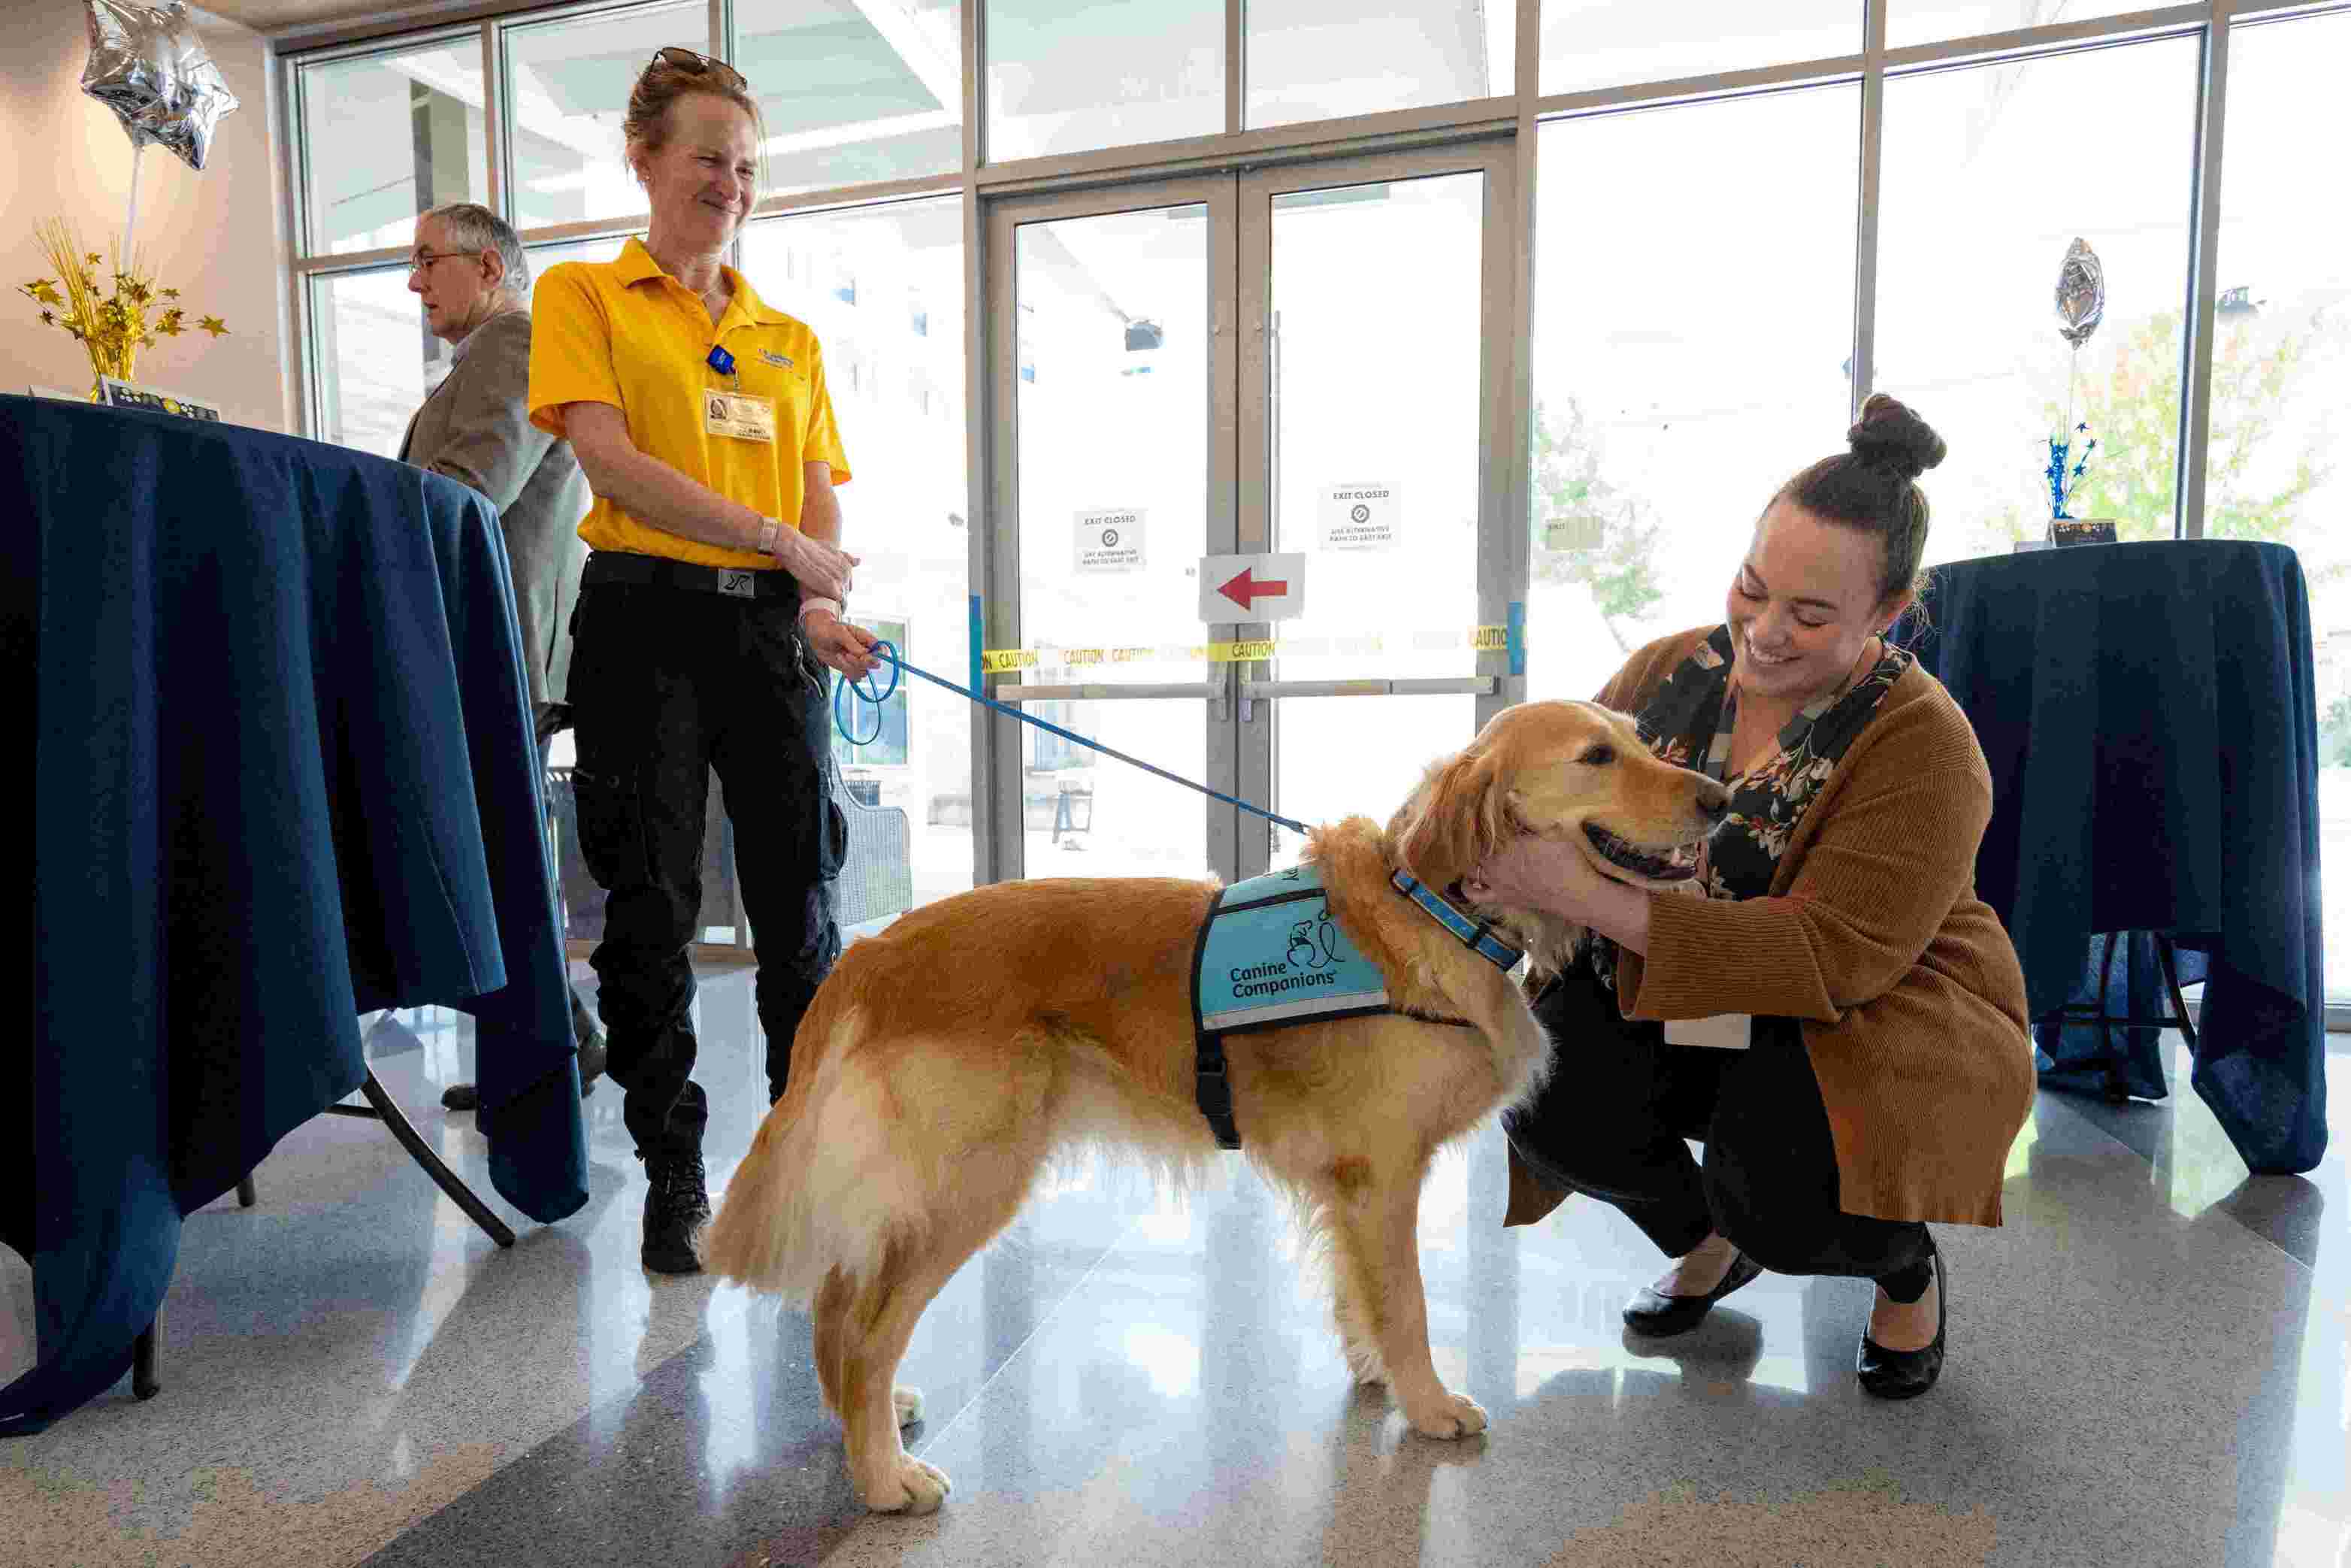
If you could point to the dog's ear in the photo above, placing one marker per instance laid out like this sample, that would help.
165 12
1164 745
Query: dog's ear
1459 816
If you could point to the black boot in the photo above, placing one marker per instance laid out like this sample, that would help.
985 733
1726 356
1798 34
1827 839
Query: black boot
677 1206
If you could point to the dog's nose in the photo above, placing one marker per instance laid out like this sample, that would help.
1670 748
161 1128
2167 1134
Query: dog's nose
1713 800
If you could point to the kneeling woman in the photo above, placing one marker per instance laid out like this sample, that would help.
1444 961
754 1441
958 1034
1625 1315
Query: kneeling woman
1880 1066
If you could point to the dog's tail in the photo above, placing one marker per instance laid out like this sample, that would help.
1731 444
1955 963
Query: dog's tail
804 1200
880 1136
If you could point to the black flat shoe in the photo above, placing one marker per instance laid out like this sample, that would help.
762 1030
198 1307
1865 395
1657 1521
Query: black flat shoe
1906 1373
1659 1315
592 1054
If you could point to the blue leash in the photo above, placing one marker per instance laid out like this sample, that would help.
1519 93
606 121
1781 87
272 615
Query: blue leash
874 700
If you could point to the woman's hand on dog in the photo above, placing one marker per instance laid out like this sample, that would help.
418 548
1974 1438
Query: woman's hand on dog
1553 877
1546 875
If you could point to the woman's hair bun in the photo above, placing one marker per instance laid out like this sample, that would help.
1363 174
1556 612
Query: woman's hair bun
1892 436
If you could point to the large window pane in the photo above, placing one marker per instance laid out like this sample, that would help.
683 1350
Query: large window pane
372 351
1981 195
854 89
386 136
2274 466
883 288
375 360
1072 76
1684 365
1933 21
1325 60
543 256
1593 44
565 93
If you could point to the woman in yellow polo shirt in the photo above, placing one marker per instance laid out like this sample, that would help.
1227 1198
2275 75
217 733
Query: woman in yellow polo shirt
710 608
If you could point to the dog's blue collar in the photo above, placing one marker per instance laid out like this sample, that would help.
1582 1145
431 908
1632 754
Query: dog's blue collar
1478 935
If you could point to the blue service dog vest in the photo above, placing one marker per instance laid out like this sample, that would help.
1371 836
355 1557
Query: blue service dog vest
1268 955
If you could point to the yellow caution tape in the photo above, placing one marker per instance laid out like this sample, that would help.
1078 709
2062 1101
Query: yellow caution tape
1003 660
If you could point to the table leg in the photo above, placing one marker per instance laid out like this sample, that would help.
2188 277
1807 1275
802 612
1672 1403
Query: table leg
2111 1059
142 1360
2169 957
381 1106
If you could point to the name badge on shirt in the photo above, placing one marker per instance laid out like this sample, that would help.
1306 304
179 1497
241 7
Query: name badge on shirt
739 414
1724 1031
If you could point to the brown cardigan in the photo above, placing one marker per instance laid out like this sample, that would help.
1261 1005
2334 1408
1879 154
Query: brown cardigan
1908 990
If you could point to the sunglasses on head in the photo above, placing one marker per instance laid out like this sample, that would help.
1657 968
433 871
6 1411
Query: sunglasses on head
701 64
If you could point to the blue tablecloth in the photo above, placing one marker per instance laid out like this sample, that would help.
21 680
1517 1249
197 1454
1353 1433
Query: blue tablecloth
2148 715
282 773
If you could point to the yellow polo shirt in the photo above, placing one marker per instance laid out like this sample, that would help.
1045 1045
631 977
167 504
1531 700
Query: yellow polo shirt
626 333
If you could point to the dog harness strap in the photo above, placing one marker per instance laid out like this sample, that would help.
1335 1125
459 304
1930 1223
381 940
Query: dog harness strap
1214 1091
1478 935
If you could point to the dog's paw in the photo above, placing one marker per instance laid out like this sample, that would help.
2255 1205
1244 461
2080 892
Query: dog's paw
1450 1415
908 1404
908 1486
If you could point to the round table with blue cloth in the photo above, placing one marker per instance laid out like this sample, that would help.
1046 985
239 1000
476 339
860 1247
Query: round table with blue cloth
283 774
2148 715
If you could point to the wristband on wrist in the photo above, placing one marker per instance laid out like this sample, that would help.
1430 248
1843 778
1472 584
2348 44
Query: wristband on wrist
808 604
769 532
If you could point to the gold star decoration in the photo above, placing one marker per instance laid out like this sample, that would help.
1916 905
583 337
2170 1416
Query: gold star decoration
111 325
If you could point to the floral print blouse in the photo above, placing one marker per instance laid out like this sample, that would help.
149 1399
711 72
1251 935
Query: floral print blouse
1689 721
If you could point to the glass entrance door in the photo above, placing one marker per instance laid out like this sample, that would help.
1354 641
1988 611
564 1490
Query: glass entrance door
1284 380
1376 292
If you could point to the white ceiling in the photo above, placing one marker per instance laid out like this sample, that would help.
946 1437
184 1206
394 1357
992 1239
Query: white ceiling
304 16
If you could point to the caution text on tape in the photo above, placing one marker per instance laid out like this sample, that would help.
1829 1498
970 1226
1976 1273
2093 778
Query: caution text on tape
1003 661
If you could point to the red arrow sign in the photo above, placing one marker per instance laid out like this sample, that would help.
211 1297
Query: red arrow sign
1241 590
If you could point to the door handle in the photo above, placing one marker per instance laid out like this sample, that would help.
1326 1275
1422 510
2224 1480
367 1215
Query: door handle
1378 687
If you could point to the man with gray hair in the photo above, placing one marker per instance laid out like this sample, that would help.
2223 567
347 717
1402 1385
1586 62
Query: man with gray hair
469 270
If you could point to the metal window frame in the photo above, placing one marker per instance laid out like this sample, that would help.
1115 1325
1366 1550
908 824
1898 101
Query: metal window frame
2203 256
1515 116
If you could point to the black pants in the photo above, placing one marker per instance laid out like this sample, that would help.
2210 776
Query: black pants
669 684
1613 1121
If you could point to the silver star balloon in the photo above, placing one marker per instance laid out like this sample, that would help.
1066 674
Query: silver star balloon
2081 293
146 65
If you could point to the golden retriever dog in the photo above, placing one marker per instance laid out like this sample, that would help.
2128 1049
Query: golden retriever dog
945 1062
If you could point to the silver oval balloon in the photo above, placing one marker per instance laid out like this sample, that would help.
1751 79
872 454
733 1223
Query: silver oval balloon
2081 293
147 65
